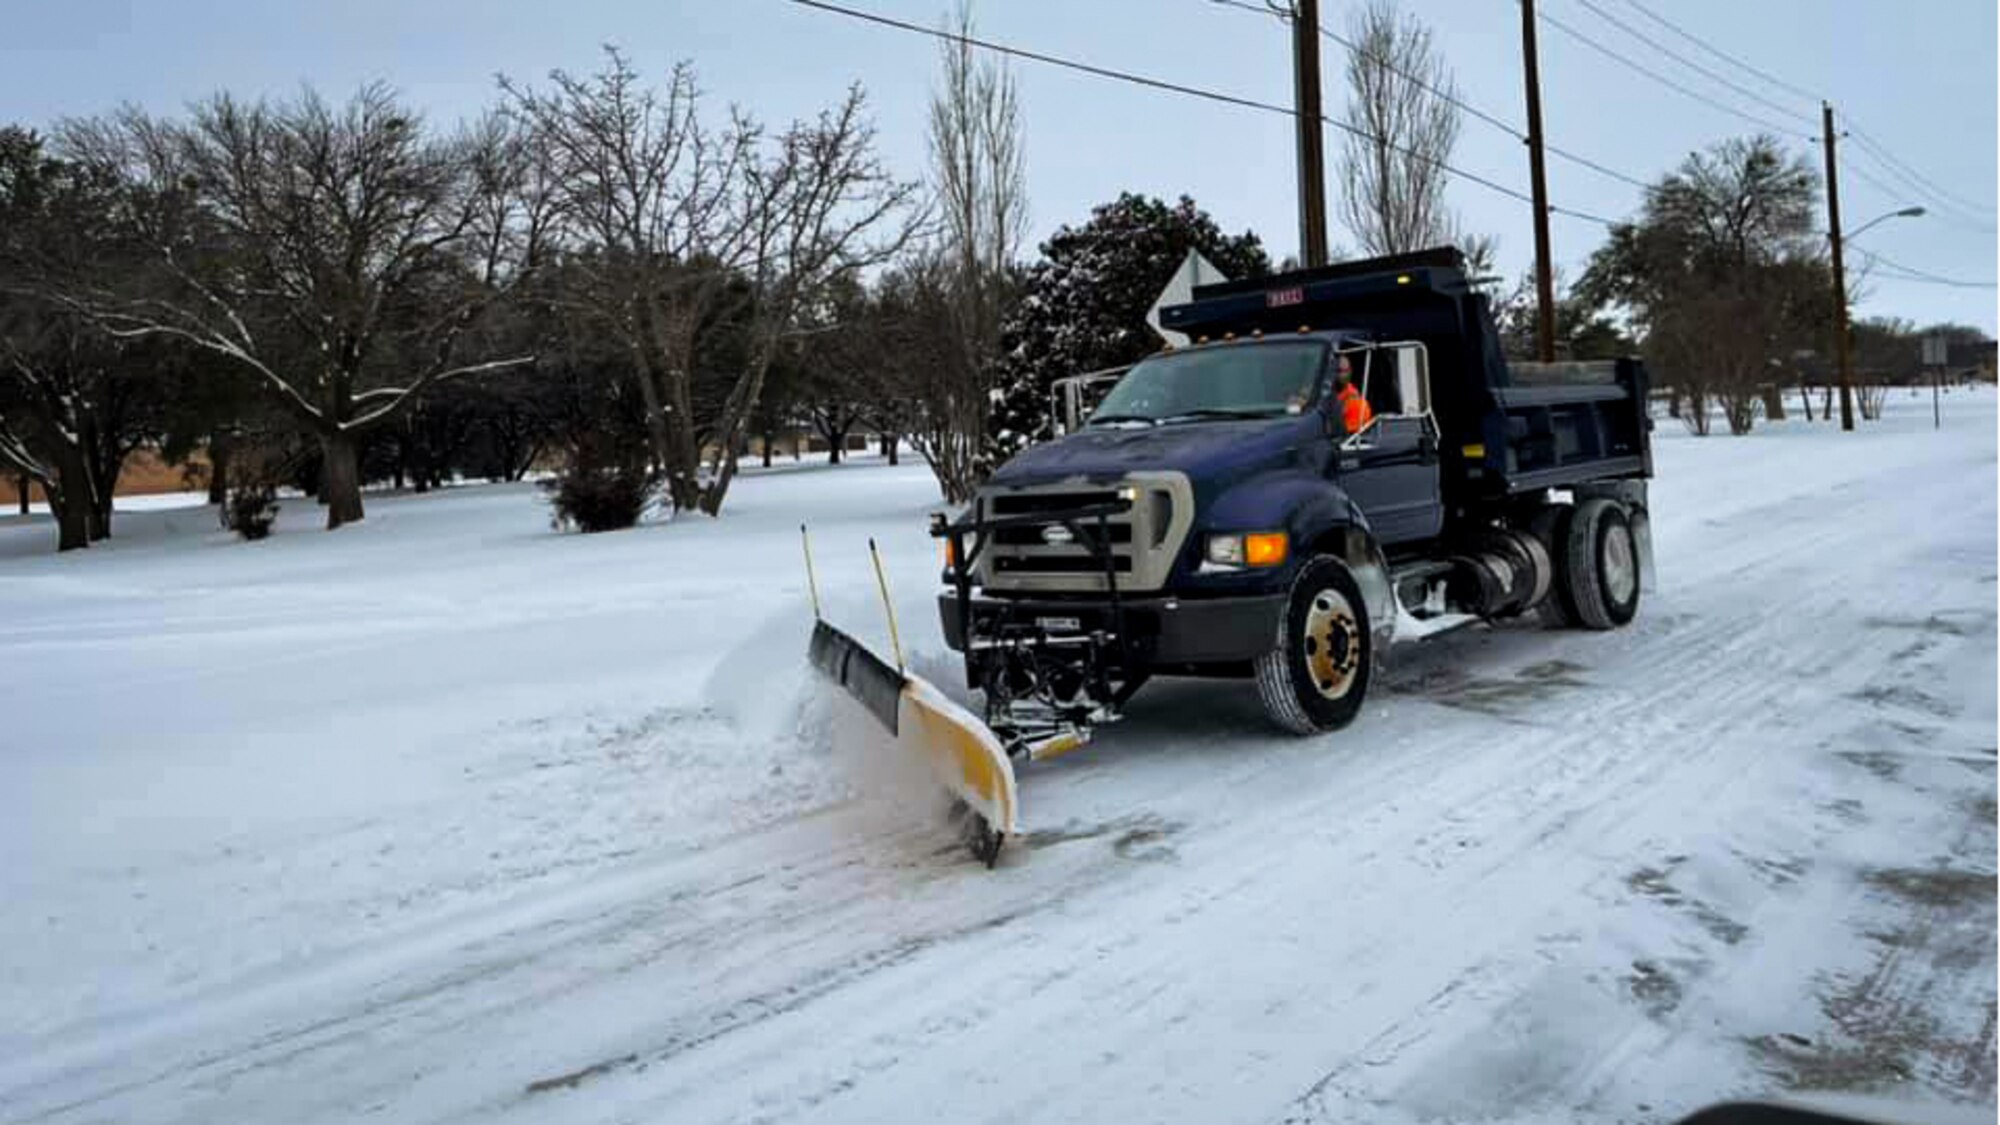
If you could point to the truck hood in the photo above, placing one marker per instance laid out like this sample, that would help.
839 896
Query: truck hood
1205 451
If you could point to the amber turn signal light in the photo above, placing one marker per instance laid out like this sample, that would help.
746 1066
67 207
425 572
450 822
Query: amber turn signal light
1264 549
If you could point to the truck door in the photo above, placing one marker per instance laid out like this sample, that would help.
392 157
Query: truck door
1390 468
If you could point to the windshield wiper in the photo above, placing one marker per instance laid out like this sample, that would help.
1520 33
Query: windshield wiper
1219 412
1108 419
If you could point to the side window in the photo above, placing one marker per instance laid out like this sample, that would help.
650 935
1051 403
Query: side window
1397 385
1409 371
1396 380
1385 389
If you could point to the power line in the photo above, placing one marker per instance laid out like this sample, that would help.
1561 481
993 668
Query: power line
1378 60
1454 99
1890 191
1922 184
1580 37
1903 273
1898 192
1951 215
1574 158
1952 208
1594 166
1903 170
1152 83
1687 62
1873 147
1444 94
1585 215
1720 53
1908 274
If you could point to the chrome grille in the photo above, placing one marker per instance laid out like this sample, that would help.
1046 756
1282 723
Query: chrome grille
1049 557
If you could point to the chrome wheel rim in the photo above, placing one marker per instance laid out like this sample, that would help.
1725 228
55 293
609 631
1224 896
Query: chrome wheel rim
1332 644
1621 570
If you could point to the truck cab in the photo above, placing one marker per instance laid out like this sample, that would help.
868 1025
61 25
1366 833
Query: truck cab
1215 515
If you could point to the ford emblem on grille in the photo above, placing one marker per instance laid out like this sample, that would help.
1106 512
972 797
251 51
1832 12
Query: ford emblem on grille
1056 535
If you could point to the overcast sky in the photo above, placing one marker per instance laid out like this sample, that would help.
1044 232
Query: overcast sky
1917 76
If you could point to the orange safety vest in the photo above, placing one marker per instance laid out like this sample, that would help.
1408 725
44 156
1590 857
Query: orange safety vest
1354 410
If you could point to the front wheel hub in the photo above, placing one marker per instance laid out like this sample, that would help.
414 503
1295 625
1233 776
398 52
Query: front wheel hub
1332 644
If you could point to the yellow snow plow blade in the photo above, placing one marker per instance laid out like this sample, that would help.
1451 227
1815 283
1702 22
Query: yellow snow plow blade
962 753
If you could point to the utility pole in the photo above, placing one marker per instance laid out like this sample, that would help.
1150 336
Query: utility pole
1312 153
1545 284
1840 341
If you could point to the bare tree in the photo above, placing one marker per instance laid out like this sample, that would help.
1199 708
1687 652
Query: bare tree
669 223
74 403
821 208
650 228
979 177
1399 98
923 364
343 256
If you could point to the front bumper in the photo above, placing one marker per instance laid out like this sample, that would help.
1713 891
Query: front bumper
1162 630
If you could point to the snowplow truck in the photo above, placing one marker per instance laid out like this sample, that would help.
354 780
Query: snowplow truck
1214 515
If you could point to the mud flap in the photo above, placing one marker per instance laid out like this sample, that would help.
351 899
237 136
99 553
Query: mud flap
1642 541
963 754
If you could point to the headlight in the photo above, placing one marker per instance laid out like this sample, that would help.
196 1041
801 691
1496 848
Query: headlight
1258 549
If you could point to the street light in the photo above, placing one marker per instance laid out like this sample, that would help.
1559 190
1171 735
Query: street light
1905 213
1840 342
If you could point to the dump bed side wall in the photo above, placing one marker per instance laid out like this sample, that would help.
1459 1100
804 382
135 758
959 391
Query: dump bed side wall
1560 424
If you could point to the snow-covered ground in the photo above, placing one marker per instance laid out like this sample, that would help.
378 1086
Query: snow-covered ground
448 817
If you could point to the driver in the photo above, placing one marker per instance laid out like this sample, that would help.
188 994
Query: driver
1355 413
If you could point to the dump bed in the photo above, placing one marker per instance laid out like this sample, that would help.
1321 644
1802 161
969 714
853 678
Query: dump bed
1557 424
1504 429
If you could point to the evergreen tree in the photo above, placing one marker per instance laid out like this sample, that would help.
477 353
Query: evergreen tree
1084 304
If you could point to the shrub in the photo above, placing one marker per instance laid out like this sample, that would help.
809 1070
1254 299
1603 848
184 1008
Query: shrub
600 487
249 510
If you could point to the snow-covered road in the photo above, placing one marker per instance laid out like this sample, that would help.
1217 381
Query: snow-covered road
444 817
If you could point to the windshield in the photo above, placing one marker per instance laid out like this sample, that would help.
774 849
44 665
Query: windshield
1242 381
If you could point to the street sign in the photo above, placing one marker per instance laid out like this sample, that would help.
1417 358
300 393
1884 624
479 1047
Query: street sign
1937 350
1937 354
1195 270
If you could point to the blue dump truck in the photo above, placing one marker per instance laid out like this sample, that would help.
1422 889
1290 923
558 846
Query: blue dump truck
1215 516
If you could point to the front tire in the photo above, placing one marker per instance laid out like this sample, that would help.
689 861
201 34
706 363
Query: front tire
1602 565
1316 678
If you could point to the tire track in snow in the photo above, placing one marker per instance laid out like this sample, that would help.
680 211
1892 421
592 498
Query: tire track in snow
1692 651
1856 663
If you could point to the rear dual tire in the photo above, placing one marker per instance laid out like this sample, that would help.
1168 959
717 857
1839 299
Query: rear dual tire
1596 557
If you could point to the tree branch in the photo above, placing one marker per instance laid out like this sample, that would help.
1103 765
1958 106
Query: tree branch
397 396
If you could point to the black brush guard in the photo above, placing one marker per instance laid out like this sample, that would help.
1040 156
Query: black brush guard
1040 685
